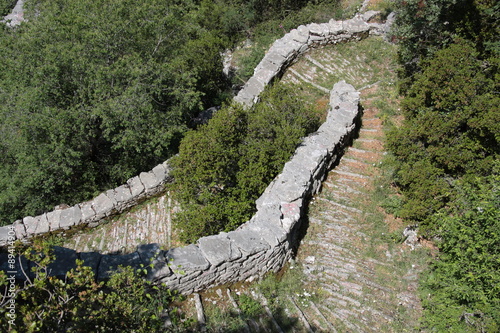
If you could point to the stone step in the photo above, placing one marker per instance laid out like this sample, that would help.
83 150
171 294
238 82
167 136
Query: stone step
341 206
343 170
373 145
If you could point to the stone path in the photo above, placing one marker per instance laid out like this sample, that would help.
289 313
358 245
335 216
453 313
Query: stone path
148 223
362 290
362 281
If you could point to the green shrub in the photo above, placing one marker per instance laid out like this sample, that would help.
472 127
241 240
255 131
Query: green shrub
77 303
224 166
6 7
462 291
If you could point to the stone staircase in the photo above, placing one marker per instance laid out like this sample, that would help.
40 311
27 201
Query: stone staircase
362 281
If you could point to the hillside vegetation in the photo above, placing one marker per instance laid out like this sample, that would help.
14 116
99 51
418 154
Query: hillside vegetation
94 92
447 153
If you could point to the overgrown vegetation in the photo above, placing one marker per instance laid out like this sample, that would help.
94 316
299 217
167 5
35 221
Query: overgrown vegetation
77 303
447 151
223 167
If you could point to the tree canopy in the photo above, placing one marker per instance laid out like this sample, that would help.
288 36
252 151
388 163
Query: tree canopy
225 165
92 92
447 153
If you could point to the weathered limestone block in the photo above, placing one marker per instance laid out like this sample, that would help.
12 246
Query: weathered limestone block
218 249
266 75
70 217
303 30
136 186
54 217
160 172
42 224
152 254
36 225
284 49
268 213
188 258
149 180
336 27
149 252
311 154
30 225
102 206
272 233
322 30
292 186
88 213
111 196
356 25
291 214
159 271
248 241
20 229
298 37
332 132
274 58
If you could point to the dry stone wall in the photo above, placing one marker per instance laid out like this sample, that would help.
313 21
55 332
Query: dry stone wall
287 49
263 244
91 213
281 54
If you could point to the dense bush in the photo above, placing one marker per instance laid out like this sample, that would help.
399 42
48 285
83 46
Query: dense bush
77 303
451 128
447 151
92 92
424 27
6 7
462 292
223 166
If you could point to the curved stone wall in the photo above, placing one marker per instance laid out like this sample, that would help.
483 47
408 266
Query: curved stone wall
281 54
262 244
90 213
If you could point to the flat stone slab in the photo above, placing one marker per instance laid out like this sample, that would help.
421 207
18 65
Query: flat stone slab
248 241
42 224
272 233
20 229
187 258
102 205
148 252
218 249
30 224
70 217
135 185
